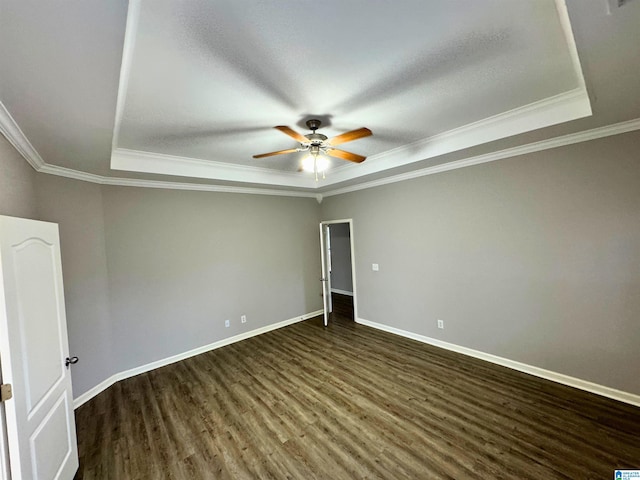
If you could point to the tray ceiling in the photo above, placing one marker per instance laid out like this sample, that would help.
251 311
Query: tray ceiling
206 80
163 89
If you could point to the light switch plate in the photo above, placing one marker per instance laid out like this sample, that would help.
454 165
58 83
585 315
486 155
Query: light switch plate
375 267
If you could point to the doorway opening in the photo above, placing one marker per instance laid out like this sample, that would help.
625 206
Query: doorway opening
338 270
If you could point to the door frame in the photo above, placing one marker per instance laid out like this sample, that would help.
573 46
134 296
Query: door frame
325 261
353 259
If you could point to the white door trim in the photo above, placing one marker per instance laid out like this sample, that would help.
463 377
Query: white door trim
326 290
353 258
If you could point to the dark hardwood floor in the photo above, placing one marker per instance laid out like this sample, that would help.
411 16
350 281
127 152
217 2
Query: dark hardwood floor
342 305
346 402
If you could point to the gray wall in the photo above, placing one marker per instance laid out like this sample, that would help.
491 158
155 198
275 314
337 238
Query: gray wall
76 207
341 257
17 183
534 258
180 263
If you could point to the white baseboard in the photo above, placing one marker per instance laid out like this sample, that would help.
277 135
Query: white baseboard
101 387
341 292
609 392
85 397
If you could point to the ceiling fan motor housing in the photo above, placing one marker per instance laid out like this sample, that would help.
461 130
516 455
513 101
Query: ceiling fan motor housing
313 124
316 138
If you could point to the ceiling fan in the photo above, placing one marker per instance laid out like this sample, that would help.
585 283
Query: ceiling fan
317 143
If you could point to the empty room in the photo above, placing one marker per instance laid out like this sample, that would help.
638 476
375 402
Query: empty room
319 240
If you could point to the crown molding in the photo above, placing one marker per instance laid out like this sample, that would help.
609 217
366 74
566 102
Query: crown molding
12 132
149 162
142 183
560 108
129 182
70 173
160 163
570 139
10 129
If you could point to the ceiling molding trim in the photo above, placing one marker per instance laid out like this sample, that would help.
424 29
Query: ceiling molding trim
130 34
133 182
560 108
10 129
70 173
587 135
159 163
570 139
129 182
565 22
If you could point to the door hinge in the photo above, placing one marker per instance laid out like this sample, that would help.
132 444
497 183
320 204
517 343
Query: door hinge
5 392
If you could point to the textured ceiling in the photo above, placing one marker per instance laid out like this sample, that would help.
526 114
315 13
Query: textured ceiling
206 80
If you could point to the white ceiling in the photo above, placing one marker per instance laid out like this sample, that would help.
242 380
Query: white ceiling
188 91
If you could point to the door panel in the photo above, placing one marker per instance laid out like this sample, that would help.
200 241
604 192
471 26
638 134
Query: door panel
33 343
36 288
51 442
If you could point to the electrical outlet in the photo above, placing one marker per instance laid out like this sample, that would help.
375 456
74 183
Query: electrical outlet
440 323
227 323
243 318
375 267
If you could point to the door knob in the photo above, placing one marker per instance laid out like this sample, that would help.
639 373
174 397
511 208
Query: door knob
70 361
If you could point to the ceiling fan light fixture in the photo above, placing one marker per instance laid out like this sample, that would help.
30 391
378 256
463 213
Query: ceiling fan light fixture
313 164
317 143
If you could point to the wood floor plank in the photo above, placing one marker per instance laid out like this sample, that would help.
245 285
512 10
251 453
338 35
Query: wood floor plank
347 401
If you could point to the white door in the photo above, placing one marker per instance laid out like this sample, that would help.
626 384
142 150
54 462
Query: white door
33 346
325 254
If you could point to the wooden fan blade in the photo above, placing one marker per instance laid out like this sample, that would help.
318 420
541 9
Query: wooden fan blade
352 157
293 134
279 152
349 136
